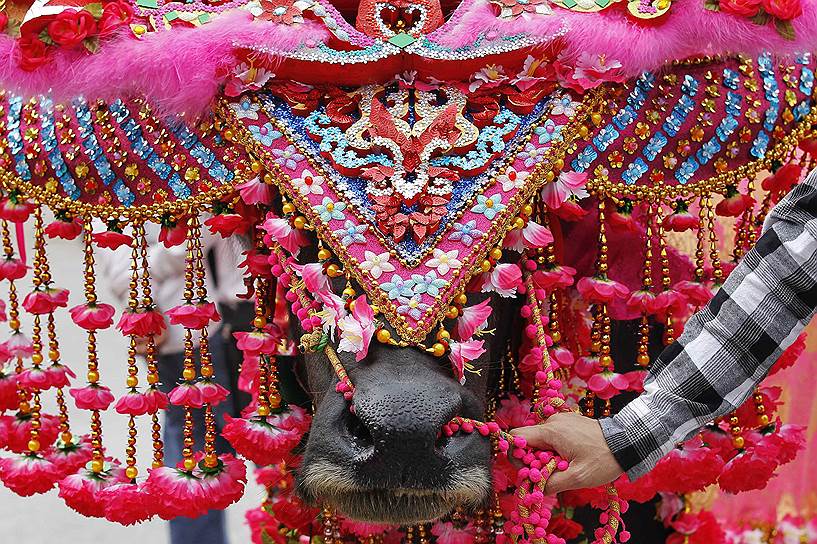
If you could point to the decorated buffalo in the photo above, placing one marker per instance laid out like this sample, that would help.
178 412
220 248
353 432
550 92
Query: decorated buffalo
458 222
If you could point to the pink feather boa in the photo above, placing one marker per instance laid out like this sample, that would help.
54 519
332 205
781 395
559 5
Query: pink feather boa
181 71
688 29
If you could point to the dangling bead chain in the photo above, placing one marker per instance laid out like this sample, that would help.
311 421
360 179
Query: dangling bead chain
666 280
98 457
189 364
150 350
132 381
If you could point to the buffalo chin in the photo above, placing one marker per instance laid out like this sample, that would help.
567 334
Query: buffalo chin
326 483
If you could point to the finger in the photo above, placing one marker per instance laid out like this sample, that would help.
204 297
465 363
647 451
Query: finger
537 436
561 481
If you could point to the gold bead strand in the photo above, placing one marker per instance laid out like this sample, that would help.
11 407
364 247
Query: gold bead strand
643 356
189 365
39 280
666 279
714 256
132 380
98 455
153 377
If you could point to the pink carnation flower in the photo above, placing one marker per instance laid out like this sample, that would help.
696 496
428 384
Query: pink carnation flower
607 384
556 277
19 345
82 491
8 390
280 230
15 210
157 400
28 475
111 239
65 229
126 503
255 191
258 342
60 374
18 431
69 459
93 317
266 441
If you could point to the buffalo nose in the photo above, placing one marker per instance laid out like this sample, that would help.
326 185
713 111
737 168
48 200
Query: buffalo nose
402 420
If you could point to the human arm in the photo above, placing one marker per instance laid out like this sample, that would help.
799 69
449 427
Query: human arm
725 351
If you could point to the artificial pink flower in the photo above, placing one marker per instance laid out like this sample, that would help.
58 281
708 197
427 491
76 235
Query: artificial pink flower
60 375
504 280
82 491
267 440
187 394
257 263
447 533
473 318
786 177
281 231
513 412
18 431
462 353
173 234
570 210
227 224
607 384
225 482
667 301
687 468
747 471
92 397
334 309
263 527
635 379
35 378
357 329
696 293
212 393
681 220
734 203
14 210
700 528
45 301
601 290
255 191
133 403
315 280
568 184
258 342
141 323
19 345
588 71
561 357
533 235
70 458
640 301
12 269
788 440
194 316
554 277
28 475
93 317
587 366
126 503
787 358
112 239
157 400
248 376
364 530
624 221
67 229
8 389
176 493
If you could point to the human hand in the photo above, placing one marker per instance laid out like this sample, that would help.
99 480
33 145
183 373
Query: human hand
579 440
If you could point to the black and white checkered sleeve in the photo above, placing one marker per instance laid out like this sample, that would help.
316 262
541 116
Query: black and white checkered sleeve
729 346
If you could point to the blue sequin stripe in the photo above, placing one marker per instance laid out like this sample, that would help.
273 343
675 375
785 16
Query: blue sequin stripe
15 138
772 94
142 148
97 156
625 116
204 156
49 140
672 124
806 87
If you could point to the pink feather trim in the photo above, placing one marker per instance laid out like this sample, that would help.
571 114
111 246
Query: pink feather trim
180 71
689 29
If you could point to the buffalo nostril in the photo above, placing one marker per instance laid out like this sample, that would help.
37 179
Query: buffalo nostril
442 441
358 432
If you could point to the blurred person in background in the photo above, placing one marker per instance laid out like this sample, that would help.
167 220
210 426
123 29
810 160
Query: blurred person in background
224 281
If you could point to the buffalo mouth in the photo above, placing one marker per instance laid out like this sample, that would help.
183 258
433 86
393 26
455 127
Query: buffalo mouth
326 483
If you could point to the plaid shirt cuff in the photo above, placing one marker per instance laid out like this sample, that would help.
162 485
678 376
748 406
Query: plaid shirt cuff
625 432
